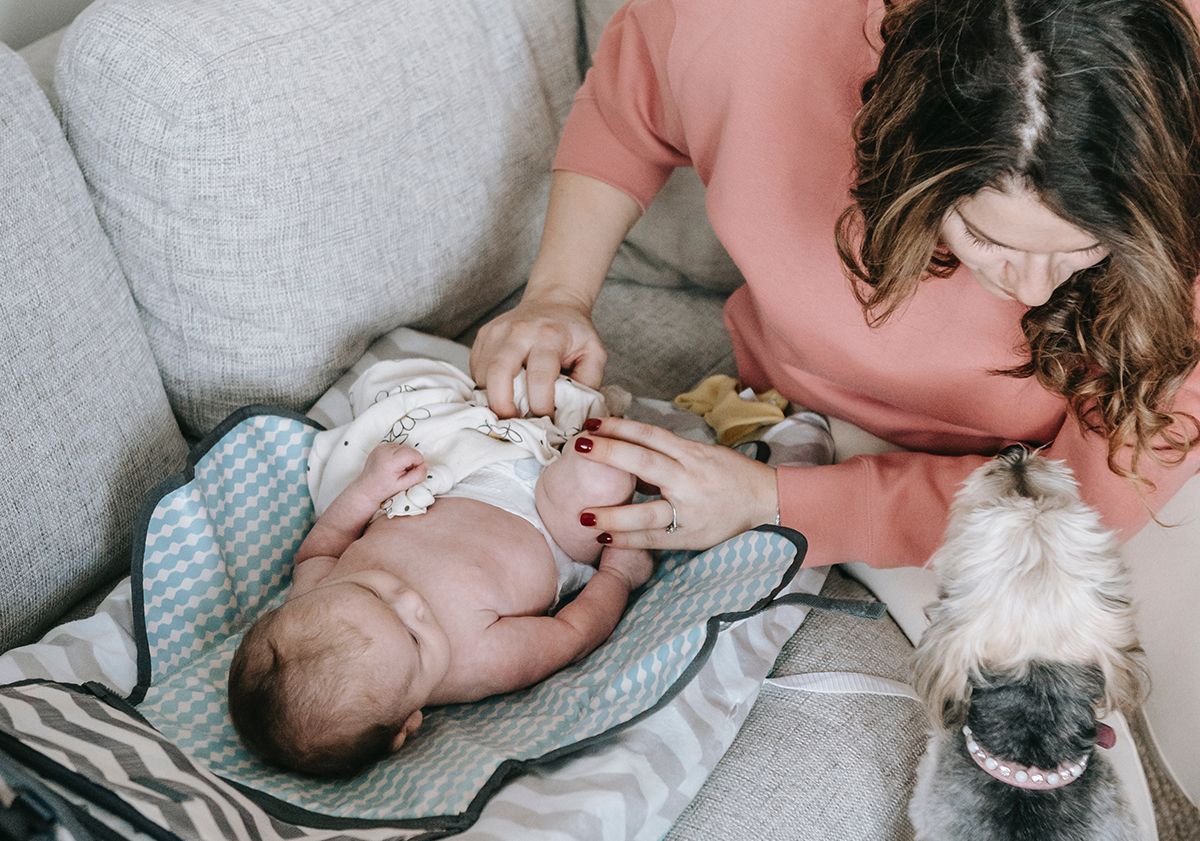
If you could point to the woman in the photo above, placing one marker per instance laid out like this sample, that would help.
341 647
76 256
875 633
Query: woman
1013 189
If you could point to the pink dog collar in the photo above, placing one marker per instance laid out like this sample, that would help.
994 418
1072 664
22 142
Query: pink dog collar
1031 777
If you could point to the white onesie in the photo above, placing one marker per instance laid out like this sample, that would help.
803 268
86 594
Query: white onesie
435 408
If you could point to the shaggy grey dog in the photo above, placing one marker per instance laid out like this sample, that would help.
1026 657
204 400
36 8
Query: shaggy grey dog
1033 639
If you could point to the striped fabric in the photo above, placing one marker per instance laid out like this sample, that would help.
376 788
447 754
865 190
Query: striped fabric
78 733
633 786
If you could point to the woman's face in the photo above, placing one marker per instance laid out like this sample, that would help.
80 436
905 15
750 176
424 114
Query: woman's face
1015 246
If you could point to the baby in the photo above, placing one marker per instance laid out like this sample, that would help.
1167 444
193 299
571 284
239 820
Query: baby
390 614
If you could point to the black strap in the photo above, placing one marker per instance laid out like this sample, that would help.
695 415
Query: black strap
35 812
851 607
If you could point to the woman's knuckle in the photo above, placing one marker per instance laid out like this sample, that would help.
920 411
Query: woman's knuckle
637 540
643 459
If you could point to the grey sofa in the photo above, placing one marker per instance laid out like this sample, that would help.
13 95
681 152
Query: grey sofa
221 202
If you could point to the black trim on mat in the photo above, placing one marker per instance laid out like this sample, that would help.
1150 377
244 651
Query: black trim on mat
444 824
762 451
142 524
41 681
94 825
851 607
81 785
440 825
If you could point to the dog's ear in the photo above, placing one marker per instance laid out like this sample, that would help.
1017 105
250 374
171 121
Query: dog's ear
1127 682
1090 683
941 669
954 713
1119 654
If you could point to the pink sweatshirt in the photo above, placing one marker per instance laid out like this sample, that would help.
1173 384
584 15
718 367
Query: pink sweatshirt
759 96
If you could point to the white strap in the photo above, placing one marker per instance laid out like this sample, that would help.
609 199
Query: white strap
843 683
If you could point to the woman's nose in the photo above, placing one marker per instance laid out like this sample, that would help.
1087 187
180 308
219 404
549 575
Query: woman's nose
1035 280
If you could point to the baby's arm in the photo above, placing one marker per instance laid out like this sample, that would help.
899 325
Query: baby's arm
518 651
571 484
390 468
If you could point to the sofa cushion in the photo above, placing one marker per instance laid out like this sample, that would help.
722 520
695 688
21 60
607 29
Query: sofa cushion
673 243
842 763
41 56
285 180
86 424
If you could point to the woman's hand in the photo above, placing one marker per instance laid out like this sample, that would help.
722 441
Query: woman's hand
716 492
545 336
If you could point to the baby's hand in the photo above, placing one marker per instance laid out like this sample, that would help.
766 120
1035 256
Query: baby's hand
634 565
392 468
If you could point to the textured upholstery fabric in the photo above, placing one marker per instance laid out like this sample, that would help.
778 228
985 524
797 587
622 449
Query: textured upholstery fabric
285 180
808 765
86 425
673 243
41 56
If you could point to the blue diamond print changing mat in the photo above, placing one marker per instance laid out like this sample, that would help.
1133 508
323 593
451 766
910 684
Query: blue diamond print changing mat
218 548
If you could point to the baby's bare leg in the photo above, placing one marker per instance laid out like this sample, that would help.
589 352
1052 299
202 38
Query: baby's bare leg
569 486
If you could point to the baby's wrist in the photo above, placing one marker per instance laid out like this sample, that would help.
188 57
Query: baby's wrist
371 492
622 576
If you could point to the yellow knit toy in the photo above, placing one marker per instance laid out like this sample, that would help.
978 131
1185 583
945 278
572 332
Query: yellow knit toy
734 418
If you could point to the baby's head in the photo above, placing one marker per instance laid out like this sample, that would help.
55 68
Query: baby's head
335 678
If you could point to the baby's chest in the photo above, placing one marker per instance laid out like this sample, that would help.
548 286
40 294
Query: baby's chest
494 561
511 579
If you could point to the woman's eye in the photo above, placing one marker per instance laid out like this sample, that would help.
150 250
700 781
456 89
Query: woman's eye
980 243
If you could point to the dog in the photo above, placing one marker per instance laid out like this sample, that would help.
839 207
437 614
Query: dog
1031 641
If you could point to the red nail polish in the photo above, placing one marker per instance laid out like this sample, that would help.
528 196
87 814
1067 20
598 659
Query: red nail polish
604 538
591 424
587 518
583 445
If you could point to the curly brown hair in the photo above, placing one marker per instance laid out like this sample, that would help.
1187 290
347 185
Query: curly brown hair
1113 147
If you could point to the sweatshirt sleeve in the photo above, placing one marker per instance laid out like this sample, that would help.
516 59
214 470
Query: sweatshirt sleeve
624 128
891 510
888 510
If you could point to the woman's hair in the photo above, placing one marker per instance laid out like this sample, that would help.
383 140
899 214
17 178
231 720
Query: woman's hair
1092 105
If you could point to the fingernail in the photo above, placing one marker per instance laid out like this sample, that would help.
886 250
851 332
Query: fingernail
604 538
591 424
587 518
583 445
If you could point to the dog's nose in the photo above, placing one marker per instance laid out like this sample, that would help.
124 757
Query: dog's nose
1014 453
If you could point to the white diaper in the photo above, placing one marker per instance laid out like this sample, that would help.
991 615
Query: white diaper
510 485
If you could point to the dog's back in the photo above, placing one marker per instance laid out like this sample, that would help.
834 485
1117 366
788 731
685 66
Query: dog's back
1035 720
1033 636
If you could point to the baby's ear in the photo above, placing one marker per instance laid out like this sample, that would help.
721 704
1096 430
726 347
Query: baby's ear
410 726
